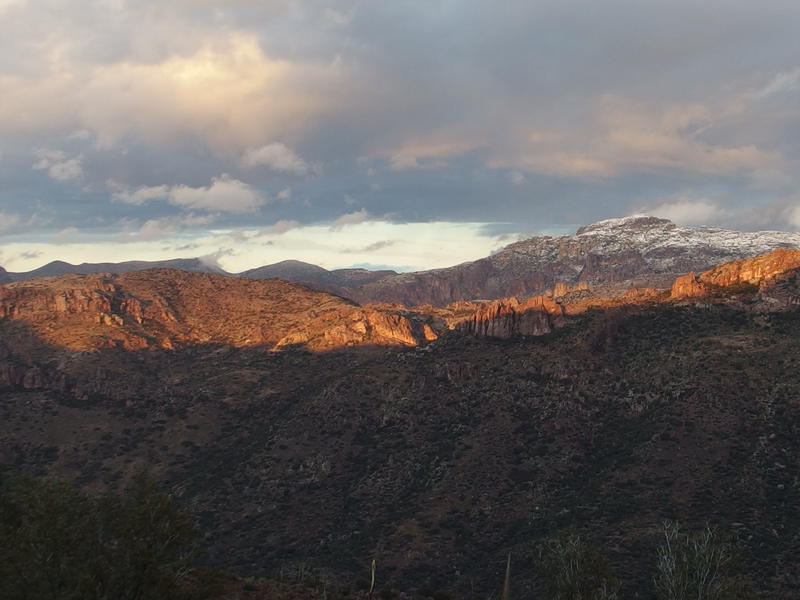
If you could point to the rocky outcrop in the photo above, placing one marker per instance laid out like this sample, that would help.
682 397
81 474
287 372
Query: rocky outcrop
761 272
509 317
754 271
358 327
687 286
168 309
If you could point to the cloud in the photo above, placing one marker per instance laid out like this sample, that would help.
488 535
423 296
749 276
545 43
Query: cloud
401 162
182 91
58 165
285 195
139 196
374 247
793 216
224 194
687 212
280 227
277 157
154 229
216 84
67 235
782 82
516 178
622 137
9 222
353 218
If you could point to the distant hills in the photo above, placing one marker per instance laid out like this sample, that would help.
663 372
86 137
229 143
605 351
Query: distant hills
59 267
614 254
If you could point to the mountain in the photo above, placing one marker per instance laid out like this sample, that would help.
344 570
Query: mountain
616 253
4 276
166 308
59 267
292 270
437 460
339 281
612 256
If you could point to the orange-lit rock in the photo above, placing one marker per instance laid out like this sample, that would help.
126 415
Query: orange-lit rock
168 308
687 286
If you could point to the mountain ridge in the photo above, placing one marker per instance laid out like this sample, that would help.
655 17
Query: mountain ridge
615 254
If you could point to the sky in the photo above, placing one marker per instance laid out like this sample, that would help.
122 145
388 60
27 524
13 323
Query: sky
385 134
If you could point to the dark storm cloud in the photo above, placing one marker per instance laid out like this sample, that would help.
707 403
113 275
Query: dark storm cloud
538 114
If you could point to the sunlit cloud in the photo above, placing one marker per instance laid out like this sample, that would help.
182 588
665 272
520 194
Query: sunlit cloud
353 218
277 157
686 211
224 194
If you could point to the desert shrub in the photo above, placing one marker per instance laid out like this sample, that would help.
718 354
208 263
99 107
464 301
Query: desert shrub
574 570
694 566
58 543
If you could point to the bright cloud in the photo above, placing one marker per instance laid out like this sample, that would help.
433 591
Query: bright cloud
793 216
353 218
280 227
277 157
224 194
687 212
227 92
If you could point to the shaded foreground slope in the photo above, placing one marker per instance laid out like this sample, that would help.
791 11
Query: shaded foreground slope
437 462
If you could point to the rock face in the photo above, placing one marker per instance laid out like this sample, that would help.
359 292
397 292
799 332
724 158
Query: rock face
762 272
687 286
509 317
168 308
357 327
615 254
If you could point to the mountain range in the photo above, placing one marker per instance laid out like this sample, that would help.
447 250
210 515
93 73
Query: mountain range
617 254
310 433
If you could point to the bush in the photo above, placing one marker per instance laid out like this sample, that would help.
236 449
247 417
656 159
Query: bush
574 570
58 543
694 566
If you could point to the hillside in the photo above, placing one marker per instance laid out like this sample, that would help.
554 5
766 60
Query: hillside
165 308
612 256
438 460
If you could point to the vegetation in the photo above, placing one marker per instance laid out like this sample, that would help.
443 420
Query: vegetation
575 570
438 463
58 543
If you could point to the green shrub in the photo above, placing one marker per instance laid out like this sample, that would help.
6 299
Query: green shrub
57 543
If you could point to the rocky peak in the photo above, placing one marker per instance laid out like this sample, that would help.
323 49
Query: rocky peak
633 223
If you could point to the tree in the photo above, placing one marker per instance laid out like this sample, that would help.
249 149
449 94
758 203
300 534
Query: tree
693 566
58 543
574 570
